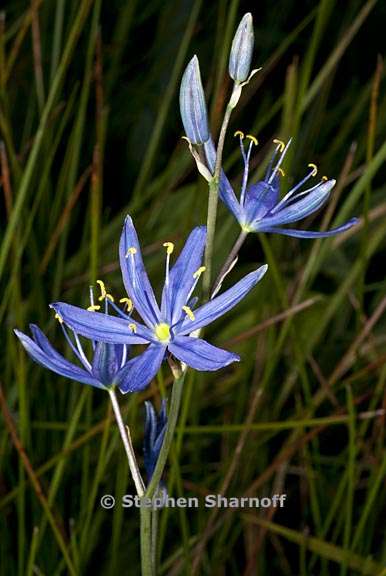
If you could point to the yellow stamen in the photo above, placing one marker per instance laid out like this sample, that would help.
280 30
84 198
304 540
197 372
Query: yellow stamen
104 294
93 308
169 247
253 139
324 178
198 272
59 318
128 303
314 169
280 144
239 133
188 312
133 327
162 331
131 250
103 290
281 171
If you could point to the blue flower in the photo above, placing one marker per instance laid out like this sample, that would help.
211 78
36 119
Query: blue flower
104 371
155 428
170 326
260 208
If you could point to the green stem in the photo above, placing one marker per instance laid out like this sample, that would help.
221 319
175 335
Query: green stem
228 262
213 199
125 435
154 535
148 542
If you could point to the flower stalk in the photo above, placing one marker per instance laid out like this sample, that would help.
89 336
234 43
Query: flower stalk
126 440
214 186
227 266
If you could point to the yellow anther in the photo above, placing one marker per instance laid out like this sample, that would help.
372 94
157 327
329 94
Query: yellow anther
239 133
59 318
133 327
128 303
132 250
103 290
253 139
169 247
281 171
188 312
314 169
324 178
93 308
280 144
198 272
104 294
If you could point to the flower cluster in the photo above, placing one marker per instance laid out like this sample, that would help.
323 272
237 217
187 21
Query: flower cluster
127 344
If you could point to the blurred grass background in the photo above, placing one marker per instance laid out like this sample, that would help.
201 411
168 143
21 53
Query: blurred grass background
90 130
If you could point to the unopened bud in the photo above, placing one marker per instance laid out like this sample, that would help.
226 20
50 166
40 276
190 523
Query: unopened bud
242 49
192 104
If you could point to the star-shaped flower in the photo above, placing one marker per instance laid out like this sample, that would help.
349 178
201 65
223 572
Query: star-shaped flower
260 207
169 327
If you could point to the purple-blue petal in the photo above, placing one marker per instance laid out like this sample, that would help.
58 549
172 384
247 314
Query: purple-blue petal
212 310
56 362
102 327
226 192
181 279
260 198
311 233
43 343
135 277
201 355
306 205
106 362
140 371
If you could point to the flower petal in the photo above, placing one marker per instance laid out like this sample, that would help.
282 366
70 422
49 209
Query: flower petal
308 204
135 277
140 371
311 233
201 355
101 327
55 362
181 279
260 198
222 303
106 362
226 192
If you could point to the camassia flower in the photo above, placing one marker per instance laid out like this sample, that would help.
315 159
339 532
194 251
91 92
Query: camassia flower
170 326
103 371
260 207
